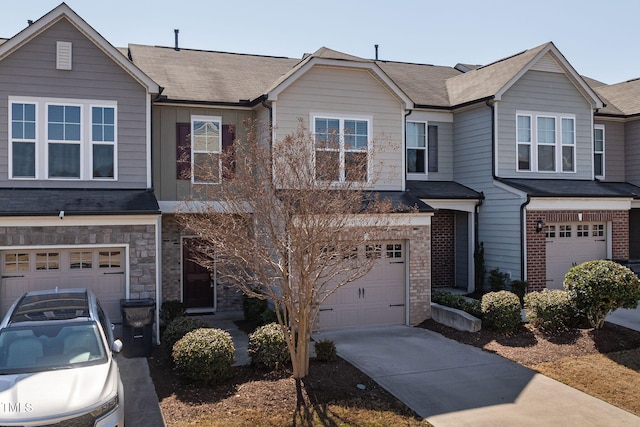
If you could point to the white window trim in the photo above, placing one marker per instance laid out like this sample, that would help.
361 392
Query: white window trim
341 150
534 141
11 139
42 138
573 144
114 143
200 118
604 147
425 148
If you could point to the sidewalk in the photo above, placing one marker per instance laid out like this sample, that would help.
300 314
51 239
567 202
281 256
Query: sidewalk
141 406
627 317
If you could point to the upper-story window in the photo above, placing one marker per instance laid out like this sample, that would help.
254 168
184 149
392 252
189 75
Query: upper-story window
422 148
341 148
545 142
62 139
598 151
206 143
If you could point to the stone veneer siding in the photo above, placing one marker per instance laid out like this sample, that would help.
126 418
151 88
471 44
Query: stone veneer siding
229 298
536 242
443 249
140 238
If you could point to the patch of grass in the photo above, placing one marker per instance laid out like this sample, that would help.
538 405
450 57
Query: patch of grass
612 377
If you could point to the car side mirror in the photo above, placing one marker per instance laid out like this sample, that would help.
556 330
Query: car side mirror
116 347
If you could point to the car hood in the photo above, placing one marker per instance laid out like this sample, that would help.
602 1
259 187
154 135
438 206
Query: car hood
54 394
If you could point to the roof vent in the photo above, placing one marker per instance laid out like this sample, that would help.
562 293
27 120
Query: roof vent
176 31
63 55
376 46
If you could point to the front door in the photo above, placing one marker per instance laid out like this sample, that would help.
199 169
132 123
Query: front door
196 280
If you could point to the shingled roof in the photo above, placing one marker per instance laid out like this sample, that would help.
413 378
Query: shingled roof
625 96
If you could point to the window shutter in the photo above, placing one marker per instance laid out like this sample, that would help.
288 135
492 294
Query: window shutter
183 150
228 150
432 142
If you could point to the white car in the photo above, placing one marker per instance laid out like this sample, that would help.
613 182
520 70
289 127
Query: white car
56 362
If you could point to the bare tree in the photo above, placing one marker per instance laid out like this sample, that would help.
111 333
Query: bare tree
290 225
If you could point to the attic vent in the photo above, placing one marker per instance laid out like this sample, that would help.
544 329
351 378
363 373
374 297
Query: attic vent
63 55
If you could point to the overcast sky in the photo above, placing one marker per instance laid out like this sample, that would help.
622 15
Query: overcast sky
599 38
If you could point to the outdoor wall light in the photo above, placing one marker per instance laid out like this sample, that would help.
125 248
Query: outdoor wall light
539 225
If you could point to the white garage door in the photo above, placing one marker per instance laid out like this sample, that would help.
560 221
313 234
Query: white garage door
377 299
101 270
572 243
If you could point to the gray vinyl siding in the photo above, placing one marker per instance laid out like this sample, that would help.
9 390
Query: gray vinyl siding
164 153
632 151
544 92
614 151
31 72
348 93
499 213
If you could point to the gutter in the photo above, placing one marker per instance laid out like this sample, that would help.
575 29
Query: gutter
523 239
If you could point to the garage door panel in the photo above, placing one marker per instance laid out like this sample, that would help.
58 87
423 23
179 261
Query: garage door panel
570 244
77 268
376 299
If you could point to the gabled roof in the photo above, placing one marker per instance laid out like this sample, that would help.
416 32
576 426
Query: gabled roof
329 57
493 80
65 12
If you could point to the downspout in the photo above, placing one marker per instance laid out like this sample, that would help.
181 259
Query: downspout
523 238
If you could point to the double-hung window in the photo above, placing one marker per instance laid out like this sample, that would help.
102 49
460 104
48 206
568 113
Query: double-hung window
62 139
545 142
422 148
341 149
598 151
23 139
206 142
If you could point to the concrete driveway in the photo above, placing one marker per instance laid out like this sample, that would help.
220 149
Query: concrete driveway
452 384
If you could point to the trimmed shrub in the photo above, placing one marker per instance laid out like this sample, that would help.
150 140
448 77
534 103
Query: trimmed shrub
325 350
601 286
170 310
178 328
457 301
550 310
268 348
204 356
501 311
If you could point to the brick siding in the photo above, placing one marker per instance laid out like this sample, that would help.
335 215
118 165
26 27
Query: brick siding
443 249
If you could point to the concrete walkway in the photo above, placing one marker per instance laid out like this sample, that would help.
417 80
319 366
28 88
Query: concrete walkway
452 384
141 408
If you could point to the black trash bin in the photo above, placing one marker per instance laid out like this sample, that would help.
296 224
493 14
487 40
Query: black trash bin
137 326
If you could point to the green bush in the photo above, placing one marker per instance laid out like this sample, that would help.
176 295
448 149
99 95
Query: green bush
457 301
268 316
551 310
253 308
268 348
501 311
170 310
179 328
519 287
601 286
204 356
497 280
325 350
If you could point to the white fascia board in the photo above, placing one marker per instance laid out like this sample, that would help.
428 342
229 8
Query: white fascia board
430 116
79 220
371 66
635 204
64 11
452 204
584 87
173 206
578 203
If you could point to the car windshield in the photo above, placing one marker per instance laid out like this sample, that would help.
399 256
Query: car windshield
46 346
